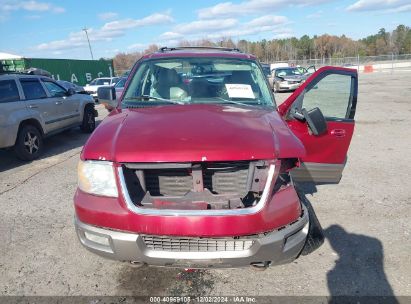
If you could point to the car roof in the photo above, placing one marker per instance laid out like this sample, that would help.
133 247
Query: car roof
198 52
285 68
21 75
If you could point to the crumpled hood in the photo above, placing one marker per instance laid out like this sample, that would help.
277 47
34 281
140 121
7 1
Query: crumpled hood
192 133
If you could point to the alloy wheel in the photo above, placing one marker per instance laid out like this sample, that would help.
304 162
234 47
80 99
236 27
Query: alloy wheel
31 142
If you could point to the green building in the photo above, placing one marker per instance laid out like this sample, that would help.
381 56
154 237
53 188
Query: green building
79 72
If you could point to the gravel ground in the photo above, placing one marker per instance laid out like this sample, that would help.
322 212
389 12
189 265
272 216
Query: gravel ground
365 217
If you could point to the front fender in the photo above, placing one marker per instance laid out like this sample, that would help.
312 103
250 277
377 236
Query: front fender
84 101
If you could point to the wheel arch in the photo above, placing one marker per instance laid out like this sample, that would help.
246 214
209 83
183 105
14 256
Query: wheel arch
84 107
31 121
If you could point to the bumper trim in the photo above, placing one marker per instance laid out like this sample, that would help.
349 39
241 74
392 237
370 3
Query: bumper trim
277 247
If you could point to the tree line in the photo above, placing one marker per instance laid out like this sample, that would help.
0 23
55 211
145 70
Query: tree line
396 42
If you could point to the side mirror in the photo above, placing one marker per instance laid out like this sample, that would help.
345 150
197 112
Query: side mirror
315 120
107 96
70 92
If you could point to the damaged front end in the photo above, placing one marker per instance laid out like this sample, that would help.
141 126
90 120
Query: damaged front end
196 186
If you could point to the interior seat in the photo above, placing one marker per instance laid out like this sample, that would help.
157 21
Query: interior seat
169 85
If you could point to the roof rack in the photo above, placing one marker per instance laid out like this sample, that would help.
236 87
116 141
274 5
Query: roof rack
217 48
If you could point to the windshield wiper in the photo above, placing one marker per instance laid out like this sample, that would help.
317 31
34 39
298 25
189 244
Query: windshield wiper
148 97
237 103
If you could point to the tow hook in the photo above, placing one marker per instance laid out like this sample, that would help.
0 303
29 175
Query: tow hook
260 266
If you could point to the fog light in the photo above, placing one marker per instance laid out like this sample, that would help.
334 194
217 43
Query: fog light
99 239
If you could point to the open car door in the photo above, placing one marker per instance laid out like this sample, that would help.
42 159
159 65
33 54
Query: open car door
321 114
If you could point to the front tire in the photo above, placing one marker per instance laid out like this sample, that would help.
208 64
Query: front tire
315 236
89 121
29 143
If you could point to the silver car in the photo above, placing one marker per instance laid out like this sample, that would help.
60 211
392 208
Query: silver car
33 107
287 79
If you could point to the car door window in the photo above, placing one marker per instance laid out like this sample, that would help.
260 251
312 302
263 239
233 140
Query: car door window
8 91
33 89
54 89
332 95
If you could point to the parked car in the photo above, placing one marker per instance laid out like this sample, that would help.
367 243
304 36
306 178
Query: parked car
286 79
196 167
67 85
266 69
34 107
92 87
119 87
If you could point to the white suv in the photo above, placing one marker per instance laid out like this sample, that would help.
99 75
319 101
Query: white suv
92 87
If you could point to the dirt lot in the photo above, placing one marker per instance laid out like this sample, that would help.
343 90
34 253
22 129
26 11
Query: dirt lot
365 217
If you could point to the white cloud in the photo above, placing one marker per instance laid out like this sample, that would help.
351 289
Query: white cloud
107 16
267 21
170 36
154 19
394 6
137 46
205 26
33 17
247 7
107 32
30 5
218 28
315 15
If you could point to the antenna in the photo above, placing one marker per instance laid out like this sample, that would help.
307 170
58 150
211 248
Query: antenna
88 40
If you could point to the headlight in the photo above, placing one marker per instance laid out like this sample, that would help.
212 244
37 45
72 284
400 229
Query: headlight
97 177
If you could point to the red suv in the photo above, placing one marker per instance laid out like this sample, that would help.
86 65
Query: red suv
195 167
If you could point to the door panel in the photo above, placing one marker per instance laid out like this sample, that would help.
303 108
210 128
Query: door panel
326 148
38 102
71 109
334 91
66 105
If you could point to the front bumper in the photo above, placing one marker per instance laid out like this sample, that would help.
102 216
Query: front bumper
288 86
93 94
276 247
8 135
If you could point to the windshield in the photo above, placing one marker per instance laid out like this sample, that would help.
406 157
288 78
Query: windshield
287 72
100 81
199 80
121 83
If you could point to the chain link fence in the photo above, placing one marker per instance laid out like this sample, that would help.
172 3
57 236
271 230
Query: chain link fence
381 62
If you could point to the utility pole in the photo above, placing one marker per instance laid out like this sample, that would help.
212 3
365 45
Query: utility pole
88 40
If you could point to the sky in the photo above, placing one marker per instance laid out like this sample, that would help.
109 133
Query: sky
53 28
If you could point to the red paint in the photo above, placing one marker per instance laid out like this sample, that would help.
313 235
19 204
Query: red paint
283 209
192 133
195 133
327 148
